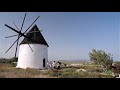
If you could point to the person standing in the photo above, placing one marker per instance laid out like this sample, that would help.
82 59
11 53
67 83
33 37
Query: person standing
58 65
54 64
47 65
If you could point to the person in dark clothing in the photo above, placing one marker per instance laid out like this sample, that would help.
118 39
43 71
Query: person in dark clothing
58 65
54 65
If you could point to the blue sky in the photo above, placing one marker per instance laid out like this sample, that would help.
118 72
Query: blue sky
70 35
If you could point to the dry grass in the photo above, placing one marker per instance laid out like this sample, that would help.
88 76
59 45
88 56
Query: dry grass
8 70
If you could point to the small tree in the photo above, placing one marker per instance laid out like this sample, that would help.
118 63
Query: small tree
102 58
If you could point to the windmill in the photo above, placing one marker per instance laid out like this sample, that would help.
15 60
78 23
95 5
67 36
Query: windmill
33 51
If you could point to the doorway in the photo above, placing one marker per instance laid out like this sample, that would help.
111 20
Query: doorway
44 62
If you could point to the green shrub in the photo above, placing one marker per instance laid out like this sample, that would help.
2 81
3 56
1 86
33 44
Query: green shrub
102 58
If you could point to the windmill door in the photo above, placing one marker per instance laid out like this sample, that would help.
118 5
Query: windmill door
44 62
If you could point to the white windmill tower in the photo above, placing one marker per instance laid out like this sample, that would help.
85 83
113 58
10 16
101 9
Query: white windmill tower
33 52
37 55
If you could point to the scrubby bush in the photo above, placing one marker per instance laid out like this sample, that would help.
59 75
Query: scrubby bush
10 60
102 58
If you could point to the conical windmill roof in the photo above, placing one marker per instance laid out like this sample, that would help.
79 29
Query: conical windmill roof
36 37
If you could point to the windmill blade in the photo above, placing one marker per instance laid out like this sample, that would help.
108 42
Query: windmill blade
16 26
12 28
33 31
16 47
22 34
19 34
17 40
11 46
23 21
30 47
32 24
11 36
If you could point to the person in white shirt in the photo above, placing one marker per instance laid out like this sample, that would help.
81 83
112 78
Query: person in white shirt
54 64
58 65
47 65
50 65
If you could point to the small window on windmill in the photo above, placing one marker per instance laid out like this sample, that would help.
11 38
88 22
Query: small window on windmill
44 62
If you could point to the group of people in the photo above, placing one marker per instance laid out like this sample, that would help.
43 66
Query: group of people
54 65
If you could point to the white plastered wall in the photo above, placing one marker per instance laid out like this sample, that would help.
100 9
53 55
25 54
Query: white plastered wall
29 59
